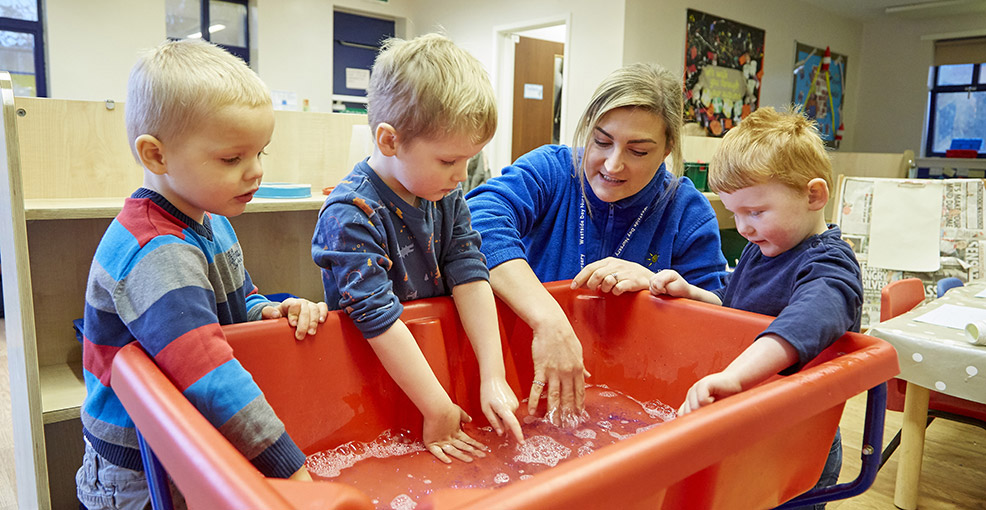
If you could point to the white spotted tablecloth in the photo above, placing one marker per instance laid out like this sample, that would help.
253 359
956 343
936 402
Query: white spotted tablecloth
938 357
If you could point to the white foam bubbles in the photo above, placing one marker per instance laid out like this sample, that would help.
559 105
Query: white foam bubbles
542 450
330 463
402 502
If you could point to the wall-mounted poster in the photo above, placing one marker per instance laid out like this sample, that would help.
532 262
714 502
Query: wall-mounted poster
819 85
723 69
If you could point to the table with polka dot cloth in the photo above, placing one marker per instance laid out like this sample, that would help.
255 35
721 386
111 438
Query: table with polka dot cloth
938 357
931 357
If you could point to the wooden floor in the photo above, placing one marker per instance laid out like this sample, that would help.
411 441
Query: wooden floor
954 474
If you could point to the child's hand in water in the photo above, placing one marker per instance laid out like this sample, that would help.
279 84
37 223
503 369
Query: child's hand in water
443 436
499 403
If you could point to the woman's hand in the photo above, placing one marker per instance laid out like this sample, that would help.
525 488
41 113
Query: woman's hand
613 275
558 368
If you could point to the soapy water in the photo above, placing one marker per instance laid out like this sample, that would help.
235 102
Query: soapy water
396 470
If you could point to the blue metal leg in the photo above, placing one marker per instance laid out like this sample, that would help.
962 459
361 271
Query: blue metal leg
157 477
876 408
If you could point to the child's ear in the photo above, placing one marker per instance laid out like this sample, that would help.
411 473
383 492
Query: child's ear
150 150
386 139
818 194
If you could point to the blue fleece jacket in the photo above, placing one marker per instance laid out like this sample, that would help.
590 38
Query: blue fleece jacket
532 211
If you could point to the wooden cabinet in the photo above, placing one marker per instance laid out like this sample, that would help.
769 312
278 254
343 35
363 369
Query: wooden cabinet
66 171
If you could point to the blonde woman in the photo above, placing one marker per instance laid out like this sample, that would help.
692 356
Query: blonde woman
607 214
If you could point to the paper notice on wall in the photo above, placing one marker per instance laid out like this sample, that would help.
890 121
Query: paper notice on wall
533 91
284 99
357 79
905 225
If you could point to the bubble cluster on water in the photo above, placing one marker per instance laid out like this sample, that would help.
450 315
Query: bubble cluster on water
659 410
330 463
587 448
585 434
542 450
397 472
403 502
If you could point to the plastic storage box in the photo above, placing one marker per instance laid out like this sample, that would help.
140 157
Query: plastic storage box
698 173
756 449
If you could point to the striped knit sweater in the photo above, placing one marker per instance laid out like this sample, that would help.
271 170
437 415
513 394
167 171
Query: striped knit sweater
167 282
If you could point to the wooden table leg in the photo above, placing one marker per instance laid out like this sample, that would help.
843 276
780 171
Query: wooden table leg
911 446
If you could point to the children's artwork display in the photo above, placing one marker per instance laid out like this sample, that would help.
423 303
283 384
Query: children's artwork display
723 71
960 243
819 85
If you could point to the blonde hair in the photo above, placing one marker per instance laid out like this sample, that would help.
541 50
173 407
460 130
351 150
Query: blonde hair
173 86
770 145
647 87
427 87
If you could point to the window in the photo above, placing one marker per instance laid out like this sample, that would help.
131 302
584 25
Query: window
957 107
22 46
223 22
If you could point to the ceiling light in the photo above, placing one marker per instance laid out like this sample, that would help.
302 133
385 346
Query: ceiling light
212 29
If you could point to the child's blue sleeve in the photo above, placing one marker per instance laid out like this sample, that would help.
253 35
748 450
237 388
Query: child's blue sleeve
463 260
255 301
350 246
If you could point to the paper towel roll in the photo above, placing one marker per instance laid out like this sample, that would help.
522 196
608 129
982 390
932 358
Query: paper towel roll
975 332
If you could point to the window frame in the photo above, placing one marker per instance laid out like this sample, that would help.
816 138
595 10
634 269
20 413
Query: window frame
35 28
974 85
204 23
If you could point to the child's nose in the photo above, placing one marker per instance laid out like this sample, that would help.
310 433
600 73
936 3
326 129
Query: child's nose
254 171
461 173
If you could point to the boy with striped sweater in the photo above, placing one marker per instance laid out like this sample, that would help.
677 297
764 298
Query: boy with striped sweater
169 271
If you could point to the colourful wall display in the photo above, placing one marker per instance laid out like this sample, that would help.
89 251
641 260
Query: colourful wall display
819 85
723 71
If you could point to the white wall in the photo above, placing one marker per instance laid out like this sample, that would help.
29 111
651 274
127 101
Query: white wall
295 43
894 76
595 45
655 32
90 53
92 45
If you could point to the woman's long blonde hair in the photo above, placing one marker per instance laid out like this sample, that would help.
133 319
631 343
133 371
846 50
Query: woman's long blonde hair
647 87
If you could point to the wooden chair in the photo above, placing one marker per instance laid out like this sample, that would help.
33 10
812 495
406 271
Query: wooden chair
899 297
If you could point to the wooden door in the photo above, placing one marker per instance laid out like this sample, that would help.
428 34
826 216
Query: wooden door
534 93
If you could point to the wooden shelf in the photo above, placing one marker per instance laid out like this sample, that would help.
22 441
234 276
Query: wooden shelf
970 163
723 215
62 391
86 208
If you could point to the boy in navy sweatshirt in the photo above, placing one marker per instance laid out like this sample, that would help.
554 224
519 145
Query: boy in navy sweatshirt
773 174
